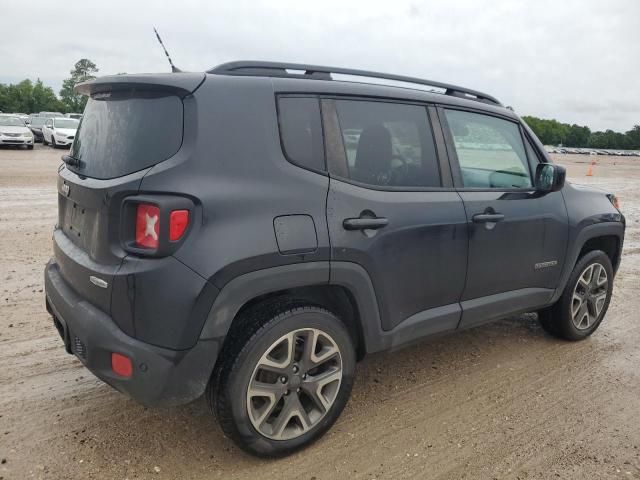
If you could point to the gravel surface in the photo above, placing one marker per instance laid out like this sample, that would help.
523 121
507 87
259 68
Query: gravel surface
500 401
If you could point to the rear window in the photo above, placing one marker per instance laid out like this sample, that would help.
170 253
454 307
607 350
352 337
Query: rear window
37 121
65 123
123 132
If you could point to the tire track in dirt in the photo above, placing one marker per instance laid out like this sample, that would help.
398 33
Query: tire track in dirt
499 401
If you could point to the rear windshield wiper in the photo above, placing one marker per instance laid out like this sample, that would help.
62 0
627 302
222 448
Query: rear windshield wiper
71 161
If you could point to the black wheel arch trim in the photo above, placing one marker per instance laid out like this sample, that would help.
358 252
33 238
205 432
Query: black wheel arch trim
575 247
244 288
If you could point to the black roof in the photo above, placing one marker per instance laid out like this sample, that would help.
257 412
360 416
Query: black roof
315 72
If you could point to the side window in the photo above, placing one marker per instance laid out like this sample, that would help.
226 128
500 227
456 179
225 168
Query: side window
490 151
533 157
388 144
301 131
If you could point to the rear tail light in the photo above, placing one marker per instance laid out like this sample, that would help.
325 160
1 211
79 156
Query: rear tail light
147 226
121 365
178 223
155 225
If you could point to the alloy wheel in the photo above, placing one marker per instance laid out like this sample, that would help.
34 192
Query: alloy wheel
589 296
294 384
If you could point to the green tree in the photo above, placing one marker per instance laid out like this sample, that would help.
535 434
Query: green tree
633 138
83 70
43 99
577 136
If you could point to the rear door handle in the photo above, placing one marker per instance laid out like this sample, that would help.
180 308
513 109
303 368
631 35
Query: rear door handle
365 223
488 217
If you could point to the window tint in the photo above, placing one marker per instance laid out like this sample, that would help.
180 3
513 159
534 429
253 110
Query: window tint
123 132
388 144
532 155
490 151
301 131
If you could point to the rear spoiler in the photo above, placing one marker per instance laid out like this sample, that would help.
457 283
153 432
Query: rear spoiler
181 84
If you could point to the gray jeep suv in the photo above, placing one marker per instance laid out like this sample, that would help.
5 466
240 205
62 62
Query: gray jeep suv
252 231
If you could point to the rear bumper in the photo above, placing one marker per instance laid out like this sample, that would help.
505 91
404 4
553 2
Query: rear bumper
161 376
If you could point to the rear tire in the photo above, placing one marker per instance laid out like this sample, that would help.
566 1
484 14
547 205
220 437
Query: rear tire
585 299
287 352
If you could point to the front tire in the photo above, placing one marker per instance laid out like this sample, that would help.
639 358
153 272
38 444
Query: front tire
584 301
53 142
283 383
44 141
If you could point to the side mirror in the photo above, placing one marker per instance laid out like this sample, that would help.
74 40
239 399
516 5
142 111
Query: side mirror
550 177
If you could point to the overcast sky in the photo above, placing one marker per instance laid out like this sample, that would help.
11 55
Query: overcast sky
574 60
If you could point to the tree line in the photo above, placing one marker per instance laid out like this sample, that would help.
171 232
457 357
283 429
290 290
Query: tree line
552 132
33 97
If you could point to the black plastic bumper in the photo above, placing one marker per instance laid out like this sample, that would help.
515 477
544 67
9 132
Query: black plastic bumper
161 376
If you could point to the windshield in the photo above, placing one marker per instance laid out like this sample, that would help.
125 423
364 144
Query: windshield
11 122
65 123
123 132
37 121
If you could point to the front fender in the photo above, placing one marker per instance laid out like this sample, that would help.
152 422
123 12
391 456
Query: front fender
585 234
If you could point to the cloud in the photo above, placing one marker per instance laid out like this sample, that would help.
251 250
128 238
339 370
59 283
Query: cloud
575 60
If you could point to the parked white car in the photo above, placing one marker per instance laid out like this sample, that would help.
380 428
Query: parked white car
59 132
13 131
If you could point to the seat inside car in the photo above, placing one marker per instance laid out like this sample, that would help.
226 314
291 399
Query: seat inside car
373 156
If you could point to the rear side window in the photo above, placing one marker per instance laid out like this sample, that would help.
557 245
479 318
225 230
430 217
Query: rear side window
301 131
490 151
388 144
123 132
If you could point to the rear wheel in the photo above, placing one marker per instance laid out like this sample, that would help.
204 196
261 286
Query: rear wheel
584 301
285 382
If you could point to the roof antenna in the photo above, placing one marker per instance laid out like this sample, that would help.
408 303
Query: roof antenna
174 69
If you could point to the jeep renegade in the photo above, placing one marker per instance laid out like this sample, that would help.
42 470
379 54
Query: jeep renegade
249 233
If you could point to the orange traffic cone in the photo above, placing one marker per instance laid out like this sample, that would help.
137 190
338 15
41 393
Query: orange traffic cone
590 171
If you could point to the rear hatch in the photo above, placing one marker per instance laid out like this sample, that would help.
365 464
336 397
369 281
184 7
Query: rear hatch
130 124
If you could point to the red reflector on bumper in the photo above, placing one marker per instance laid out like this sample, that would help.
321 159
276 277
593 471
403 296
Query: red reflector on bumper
121 365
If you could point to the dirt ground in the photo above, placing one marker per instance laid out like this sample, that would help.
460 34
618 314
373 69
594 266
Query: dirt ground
499 401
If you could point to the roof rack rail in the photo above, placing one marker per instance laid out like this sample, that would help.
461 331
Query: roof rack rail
315 72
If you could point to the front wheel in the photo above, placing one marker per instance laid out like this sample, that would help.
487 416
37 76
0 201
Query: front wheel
584 301
285 382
